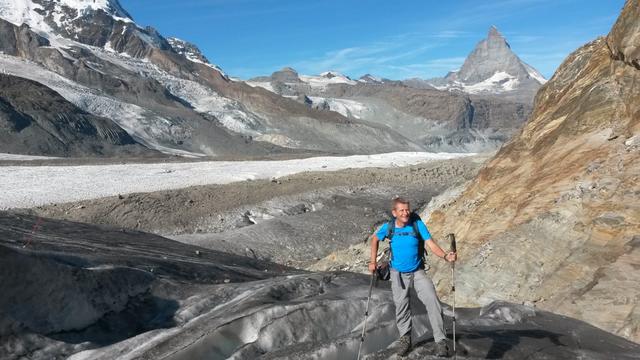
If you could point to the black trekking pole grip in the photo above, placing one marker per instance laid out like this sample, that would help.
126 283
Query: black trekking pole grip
452 240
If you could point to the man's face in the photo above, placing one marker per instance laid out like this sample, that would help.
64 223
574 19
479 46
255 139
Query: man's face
401 212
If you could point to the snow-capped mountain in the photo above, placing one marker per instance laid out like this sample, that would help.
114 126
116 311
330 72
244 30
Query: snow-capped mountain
492 68
48 16
438 120
164 92
288 75
368 78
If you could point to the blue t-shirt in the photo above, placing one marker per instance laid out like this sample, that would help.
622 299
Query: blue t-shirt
404 245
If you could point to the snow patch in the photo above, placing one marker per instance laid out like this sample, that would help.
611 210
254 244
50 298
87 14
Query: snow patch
325 79
192 53
17 157
263 84
280 140
347 108
535 74
498 83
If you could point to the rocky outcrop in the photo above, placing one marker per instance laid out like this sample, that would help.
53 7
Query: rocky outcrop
624 39
19 41
554 217
188 50
36 120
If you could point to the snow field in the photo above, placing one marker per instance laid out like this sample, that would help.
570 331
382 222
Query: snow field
30 186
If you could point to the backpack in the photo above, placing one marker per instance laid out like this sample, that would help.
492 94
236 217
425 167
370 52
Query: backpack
383 270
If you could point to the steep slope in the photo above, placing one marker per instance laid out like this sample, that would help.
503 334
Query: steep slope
492 68
35 119
175 101
554 218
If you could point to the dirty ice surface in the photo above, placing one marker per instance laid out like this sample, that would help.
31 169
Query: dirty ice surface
29 186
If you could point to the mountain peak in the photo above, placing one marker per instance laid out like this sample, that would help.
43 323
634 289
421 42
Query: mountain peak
43 15
495 38
493 32
288 69
492 67
491 56
286 75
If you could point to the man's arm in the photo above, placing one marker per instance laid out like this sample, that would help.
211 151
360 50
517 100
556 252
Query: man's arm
437 250
374 253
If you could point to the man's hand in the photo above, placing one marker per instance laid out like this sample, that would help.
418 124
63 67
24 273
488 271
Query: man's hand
451 257
372 267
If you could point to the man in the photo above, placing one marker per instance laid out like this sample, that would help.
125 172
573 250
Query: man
407 271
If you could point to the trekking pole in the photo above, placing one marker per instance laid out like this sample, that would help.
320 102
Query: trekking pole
452 238
366 314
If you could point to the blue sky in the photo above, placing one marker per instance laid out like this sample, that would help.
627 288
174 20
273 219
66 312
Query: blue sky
392 39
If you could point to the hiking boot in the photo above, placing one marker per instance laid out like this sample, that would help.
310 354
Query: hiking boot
404 345
442 349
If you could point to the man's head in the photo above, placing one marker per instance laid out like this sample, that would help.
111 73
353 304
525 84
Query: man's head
401 210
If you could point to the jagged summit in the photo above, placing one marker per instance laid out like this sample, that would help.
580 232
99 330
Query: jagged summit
494 33
490 56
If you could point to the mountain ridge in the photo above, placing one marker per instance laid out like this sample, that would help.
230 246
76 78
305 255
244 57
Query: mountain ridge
178 102
441 120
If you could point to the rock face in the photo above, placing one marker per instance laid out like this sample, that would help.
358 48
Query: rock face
35 119
164 92
554 218
188 50
492 68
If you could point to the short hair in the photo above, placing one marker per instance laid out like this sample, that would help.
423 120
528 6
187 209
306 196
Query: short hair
399 200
